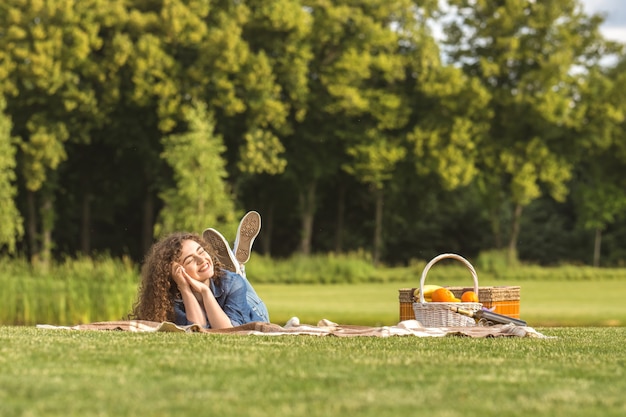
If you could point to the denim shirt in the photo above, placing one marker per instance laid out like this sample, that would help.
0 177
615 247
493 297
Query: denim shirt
235 296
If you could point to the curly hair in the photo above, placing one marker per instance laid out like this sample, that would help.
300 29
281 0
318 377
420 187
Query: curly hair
158 290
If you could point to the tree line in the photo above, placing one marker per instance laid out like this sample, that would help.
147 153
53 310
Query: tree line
396 127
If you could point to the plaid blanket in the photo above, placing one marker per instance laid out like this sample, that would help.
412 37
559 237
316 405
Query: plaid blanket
323 328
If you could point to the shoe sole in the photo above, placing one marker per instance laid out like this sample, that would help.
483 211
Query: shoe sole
248 229
220 248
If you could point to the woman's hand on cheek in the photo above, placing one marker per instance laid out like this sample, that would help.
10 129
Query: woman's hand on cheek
196 286
185 281
179 275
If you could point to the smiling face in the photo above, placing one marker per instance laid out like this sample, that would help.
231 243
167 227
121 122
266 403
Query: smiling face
196 261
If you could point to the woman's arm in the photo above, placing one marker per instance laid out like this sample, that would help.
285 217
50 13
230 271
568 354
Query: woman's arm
193 310
217 317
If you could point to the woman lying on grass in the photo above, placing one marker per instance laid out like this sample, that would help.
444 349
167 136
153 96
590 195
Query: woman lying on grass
183 281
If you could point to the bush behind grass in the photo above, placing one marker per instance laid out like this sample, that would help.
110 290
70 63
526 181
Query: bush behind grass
357 268
317 269
73 291
580 373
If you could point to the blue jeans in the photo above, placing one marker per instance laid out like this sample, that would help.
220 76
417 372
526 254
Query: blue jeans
255 302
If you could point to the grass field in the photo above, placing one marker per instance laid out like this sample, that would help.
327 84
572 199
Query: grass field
543 303
581 372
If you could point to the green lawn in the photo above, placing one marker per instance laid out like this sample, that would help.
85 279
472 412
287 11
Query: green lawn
543 303
581 372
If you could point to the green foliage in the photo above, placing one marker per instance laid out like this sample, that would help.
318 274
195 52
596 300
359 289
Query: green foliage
451 126
315 104
48 45
262 153
599 191
323 269
531 57
252 67
375 162
600 203
11 228
199 197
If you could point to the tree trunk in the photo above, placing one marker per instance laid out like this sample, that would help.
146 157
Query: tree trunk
307 213
341 211
515 226
85 232
496 228
47 224
378 228
596 248
31 228
148 222
268 226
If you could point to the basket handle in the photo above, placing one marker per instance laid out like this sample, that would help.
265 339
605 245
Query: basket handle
445 256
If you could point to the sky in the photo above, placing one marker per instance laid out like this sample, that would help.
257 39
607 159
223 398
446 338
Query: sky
614 11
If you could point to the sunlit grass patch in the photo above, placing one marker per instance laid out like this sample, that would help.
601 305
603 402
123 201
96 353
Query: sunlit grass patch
89 373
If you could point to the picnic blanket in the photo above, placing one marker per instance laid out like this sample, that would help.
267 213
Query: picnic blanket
323 328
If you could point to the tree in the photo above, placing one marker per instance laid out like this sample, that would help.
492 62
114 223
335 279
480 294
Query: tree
354 101
526 53
11 228
199 196
432 114
599 185
374 164
49 96
228 56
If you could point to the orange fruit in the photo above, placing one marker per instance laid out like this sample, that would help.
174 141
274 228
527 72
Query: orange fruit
443 295
469 297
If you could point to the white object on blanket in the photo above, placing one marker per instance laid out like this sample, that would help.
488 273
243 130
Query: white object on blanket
292 322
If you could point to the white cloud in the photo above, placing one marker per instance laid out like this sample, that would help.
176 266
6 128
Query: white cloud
614 26
615 33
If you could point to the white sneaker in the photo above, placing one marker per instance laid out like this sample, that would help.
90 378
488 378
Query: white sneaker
249 228
219 246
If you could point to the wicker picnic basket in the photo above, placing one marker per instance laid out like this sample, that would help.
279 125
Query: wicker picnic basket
502 299
438 314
